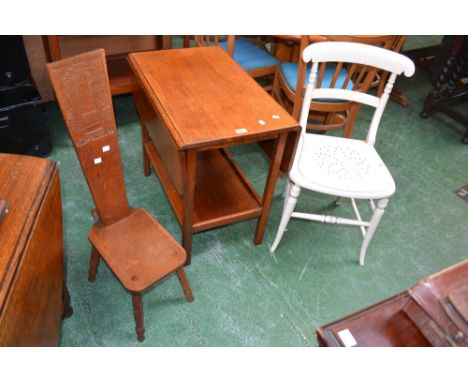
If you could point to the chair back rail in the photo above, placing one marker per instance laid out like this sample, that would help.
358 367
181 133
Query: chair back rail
215 40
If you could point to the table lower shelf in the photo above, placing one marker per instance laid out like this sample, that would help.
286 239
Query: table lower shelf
223 195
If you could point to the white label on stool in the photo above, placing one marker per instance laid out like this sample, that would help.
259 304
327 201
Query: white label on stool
105 148
347 338
262 122
275 116
241 131
97 160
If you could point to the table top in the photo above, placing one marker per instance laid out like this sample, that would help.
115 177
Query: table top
206 99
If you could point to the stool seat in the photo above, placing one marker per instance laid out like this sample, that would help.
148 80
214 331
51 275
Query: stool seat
137 249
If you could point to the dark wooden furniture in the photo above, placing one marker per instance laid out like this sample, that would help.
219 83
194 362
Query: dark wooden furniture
449 68
194 103
134 245
424 56
432 313
31 253
120 75
289 84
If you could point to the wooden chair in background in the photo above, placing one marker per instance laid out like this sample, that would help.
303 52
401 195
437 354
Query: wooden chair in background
290 81
343 167
250 54
137 249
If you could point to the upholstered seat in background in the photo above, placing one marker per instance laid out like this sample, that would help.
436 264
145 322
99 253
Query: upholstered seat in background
250 56
289 71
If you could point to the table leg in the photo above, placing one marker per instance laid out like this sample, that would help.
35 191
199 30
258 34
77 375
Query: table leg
189 192
145 138
270 186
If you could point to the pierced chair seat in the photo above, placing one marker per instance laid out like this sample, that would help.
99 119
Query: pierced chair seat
251 57
342 167
138 250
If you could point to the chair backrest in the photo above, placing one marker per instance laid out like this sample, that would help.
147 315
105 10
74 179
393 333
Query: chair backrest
81 86
345 76
215 40
372 58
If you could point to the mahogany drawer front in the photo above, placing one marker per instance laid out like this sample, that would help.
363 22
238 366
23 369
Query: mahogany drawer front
172 158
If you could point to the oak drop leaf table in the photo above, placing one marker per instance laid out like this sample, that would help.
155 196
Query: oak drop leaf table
193 104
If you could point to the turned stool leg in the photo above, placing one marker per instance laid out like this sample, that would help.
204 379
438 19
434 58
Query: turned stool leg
93 264
138 313
185 284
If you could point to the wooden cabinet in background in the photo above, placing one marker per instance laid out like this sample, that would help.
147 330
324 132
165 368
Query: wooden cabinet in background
31 253
121 77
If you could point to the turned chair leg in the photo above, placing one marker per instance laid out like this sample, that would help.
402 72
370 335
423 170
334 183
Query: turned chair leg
287 186
288 208
185 284
93 264
374 222
139 318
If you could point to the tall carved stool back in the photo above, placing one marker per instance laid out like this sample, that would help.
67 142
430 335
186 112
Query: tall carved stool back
137 249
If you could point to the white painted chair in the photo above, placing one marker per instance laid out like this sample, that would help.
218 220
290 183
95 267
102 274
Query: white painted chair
343 167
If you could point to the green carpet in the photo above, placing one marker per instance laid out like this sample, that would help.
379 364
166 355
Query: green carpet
243 297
